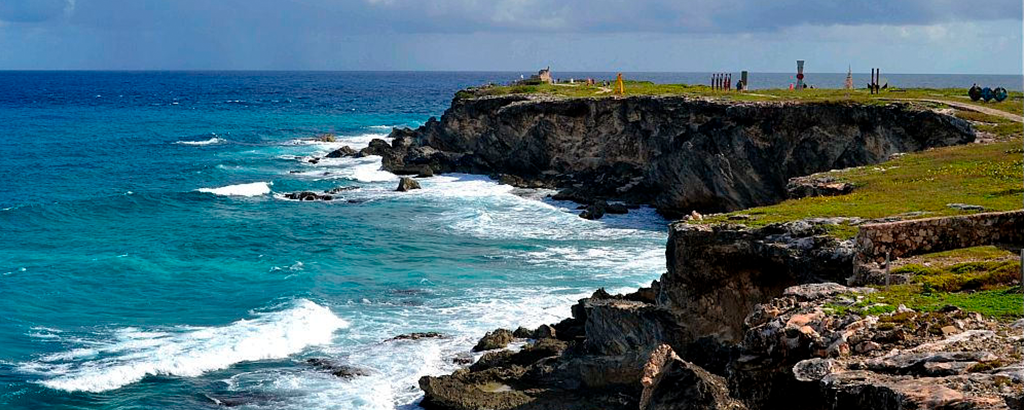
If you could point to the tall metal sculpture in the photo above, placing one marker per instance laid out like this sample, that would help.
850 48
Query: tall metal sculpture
799 74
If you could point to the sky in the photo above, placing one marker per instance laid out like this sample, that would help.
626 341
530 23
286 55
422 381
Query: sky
899 36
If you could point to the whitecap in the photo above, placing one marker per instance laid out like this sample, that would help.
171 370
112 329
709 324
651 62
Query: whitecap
132 354
253 189
210 141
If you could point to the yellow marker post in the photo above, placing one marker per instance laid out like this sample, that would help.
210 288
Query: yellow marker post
622 87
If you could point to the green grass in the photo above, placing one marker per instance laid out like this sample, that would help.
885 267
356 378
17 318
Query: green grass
1013 104
999 127
988 175
1005 303
975 253
963 276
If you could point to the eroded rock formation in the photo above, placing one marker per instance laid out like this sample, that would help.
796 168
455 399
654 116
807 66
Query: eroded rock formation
675 152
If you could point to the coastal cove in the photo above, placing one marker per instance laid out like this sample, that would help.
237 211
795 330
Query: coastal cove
157 255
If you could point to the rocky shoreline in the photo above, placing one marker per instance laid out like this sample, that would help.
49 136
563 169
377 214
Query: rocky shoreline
744 318
675 153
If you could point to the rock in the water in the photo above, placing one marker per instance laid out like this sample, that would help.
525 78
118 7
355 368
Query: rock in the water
308 196
418 336
337 369
616 209
314 160
340 189
497 339
594 211
407 184
342 152
425 172
671 383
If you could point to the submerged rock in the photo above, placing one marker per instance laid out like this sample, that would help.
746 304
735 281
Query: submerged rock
337 369
308 196
418 336
340 189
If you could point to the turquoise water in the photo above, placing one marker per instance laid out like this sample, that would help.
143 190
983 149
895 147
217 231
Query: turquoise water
124 286
149 260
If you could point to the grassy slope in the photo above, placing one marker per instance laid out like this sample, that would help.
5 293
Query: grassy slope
989 175
1013 104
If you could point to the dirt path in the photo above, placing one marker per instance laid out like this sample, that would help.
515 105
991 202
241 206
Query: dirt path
972 107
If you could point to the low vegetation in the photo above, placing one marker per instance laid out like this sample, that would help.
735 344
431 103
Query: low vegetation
915 185
1004 303
1013 104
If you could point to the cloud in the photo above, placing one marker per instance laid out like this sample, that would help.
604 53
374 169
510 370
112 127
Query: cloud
687 16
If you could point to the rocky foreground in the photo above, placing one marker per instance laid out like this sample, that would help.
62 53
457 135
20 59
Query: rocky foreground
676 153
744 318
796 352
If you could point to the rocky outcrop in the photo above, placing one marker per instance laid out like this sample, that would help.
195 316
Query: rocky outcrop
342 152
718 273
816 185
407 184
799 348
674 152
671 383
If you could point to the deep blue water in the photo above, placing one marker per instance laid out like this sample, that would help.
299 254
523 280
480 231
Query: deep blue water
148 259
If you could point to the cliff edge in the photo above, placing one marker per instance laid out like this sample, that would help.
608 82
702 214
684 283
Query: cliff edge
674 152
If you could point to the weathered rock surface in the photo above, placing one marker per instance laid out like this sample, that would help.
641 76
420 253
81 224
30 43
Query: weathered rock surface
497 339
342 152
717 274
816 185
407 184
674 152
671 383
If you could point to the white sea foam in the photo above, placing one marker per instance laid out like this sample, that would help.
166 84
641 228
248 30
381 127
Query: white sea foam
187 351
253 189
210 141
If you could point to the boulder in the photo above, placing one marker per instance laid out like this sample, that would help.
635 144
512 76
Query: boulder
497 339
671 383
544 332
342 152
594 211
425 172
407 184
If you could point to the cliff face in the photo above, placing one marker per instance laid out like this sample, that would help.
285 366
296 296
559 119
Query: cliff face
676 153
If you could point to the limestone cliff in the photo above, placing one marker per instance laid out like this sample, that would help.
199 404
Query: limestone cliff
677 153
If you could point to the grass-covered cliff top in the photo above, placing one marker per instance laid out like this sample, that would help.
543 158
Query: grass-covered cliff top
1013 104
920 184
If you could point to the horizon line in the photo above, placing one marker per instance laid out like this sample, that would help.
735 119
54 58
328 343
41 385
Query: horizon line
114 70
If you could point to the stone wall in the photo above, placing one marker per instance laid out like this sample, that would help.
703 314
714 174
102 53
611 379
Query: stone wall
920 236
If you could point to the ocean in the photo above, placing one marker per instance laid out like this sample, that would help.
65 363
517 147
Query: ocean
149 258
